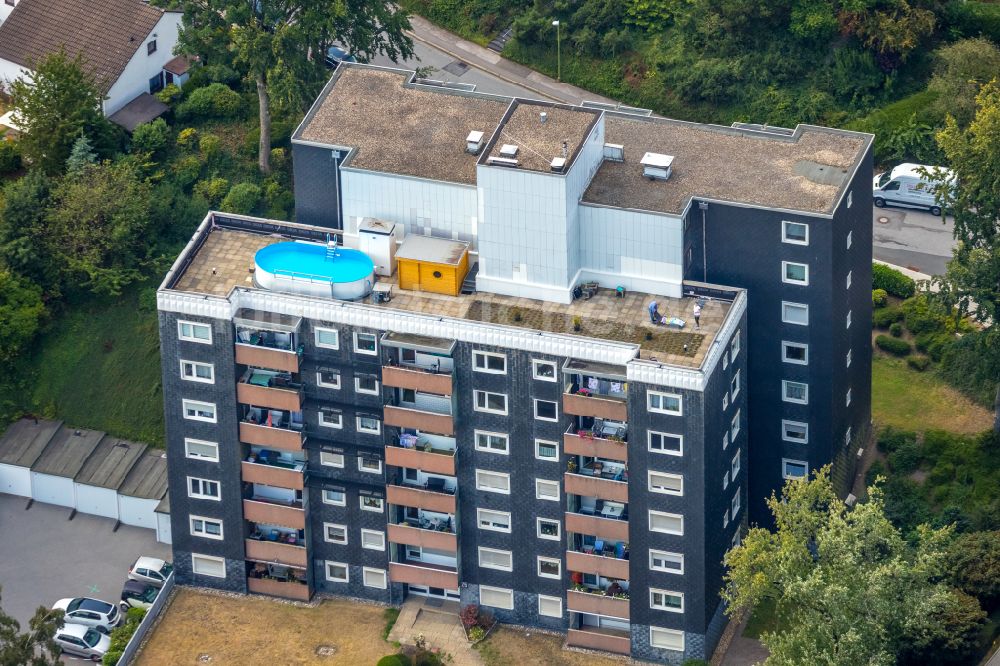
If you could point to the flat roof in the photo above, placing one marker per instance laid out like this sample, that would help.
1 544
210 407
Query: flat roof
432 250
67 452
110 463
539 143
24 441
148 477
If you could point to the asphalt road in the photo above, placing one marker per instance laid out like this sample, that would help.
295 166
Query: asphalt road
912 239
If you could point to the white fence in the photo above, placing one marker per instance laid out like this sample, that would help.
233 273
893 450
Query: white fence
147 622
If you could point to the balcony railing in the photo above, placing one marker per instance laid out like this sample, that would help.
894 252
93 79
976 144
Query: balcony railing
266 357
603 528
594 638
292 555
584 402
263 389
434 461
417 379
272 437
417 419
434 539
274 474
586 443
440 501
297 590
262 510
597 602
584 485
422 573
599 565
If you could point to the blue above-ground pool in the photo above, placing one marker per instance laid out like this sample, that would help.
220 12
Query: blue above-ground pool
314 269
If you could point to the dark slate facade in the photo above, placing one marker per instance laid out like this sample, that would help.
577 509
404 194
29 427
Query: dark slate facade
317 185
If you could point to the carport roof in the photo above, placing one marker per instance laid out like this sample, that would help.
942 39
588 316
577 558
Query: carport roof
67 452
148 478
110 463
25 440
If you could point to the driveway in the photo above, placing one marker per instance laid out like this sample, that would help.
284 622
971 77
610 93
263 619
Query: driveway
911 238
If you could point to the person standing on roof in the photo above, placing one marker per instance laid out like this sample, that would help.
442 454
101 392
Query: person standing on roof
697 315
654 315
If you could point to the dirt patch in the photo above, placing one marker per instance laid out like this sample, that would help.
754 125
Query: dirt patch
507 645
919 475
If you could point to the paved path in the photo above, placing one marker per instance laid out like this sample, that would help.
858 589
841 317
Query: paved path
744 651
913 239
439 624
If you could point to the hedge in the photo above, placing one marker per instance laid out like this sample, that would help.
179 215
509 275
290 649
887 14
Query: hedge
10 157
894 346
896 330
919 363
892 281
884 317
216 100
879 298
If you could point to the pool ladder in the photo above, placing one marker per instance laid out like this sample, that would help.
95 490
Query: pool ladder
331 248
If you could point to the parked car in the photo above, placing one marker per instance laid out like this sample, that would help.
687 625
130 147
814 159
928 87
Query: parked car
138 594
83 641
336 55
906 185
90 612
150 570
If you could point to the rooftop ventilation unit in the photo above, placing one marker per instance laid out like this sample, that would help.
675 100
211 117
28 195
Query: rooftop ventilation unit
543 116
508 150
656 166
558 164
502 161
614 152
474 142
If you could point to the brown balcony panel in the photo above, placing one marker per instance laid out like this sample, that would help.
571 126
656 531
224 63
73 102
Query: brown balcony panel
603 528
421 499
597 406
435 463
276 553
423 575
618 642
269 475
278 588
414 536
609 567
593 486
418 380
275 514
585 602
264 357
595 447
272 438
268 396
403 417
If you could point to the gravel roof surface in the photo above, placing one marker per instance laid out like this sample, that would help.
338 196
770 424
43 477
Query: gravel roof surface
538 143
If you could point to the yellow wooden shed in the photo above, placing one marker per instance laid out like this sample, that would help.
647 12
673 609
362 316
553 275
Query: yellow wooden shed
432 264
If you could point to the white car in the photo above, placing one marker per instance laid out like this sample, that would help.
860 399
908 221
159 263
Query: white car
83 641
90 612
150 570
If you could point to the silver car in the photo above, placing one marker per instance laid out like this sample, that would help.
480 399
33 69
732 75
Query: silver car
150 570
90 612
83 641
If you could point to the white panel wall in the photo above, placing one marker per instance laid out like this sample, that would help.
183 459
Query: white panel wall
586 164
10 71
163 528
6 9
51 489
137 512
142 67
15 480
96 501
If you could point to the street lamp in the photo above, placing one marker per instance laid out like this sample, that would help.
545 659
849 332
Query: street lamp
558 53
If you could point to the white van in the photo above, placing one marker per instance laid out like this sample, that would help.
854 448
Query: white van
906 186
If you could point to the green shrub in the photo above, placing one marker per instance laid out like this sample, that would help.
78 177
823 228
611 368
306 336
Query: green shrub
918 363
170 94
879 298
212 190
876 470
187 170
188 138
884 317
972 19
477 634
896 330
920 317
150 137
892 281
209 146
216 100
894 346
10 157
393 660
281 134
243 199
890 439
905 459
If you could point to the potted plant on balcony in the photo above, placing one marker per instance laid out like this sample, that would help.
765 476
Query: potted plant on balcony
571 465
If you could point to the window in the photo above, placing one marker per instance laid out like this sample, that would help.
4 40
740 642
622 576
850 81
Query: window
328 378
725 359
666 639
725 401
734 385
373 504
491 558
549 567
666 600
494 403
725 480
796 392
549 606
734 346
546 410
492 442
547 529
734 465
206 565
848 319
372 539
662 442
847 399
848 359
367 344
795 431
547 490
366 384
368 424
543 370
334 497
850 275
209 528
337 572
193 371
494 521
736 503
664 403
495 364
725 440
668 523
374 577
847 436
333 533
203 488
369 464
795 352
545 450
725 519
493 482
192 332
331 418
734 427
850 199
497 597
793 273
329 459
795 313
201 450
151 47
667 562
850 239
795 233
199 411
668 484
328 338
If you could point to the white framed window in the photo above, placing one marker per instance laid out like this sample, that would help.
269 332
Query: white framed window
494 521
546 528
734 385
725 359
795 233
850 278
668 484
795 313
549 606
725 440
847 398
666 600
794 273
334 497
194 371
850 199
797 392
492 403
492 558
199 449
334 533
544 371
661 560
667 523
373 504
546 410
210 528
203 488
331 459
734 427
850 239
337 572
725 401
195 410
795 431
847 436
492 442
327 338
369 464
549 567
664 403
496 597
734 346
734 465
368 424
331 418
546 450
735 504
366 384
194 332
207 565
374 578
366 344
489 362
666 639
847 359
725 480
372 539
664 442
493 482
794 352
725 519
848 322
547 490
328 378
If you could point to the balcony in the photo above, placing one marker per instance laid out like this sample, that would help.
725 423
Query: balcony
286 360
262 510
603 528
417 419
599 565
581 401
274 473
427 459
276 552
434 539
272 429
431 500
416 378
587 443
584 485
421 573
297 590
597 603
596 638
263 388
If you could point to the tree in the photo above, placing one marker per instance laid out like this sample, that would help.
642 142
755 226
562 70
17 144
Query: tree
22 228
944 629
60 103
892 29
80 156
279 46
960 71
21 313
34 648
974 563
848 587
